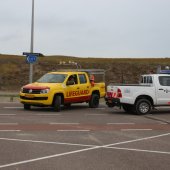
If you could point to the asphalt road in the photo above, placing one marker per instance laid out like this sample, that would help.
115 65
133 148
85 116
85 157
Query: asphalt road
80 138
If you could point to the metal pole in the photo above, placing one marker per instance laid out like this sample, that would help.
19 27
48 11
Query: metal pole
32 43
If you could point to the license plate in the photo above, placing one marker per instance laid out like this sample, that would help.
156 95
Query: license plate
29 95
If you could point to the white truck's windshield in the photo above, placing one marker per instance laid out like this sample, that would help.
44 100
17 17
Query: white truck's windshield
52 78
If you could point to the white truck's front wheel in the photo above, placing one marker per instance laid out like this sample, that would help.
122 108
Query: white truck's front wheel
143 106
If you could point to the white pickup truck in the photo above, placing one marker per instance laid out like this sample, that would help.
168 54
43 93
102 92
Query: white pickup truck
152 91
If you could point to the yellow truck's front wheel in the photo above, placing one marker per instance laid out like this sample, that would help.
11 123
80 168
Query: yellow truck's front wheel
27 106
57 103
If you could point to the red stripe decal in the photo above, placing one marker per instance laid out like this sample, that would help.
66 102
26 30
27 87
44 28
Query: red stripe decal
35 87
77 99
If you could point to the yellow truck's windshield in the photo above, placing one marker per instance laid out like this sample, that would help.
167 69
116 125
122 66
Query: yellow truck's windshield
52 78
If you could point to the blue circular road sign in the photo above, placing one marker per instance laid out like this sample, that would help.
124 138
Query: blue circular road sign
31 58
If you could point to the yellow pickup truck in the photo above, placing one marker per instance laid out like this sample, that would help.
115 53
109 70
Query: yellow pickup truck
63 88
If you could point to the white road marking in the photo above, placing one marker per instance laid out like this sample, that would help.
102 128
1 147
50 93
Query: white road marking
73 130
95 114
81 150
134 129
140 150
8 123
163 107
47 114
120 123
7 114
46 142
9 102
56 123
163 123
46 157
10 130
13 107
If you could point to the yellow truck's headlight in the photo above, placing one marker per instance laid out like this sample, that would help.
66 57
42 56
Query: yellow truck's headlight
44 91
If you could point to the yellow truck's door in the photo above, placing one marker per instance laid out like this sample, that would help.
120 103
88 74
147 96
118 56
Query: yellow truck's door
72 89
84 87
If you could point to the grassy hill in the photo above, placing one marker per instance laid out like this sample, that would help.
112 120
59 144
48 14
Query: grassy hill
14 71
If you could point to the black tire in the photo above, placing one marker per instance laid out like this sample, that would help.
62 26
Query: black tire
110 105
143 106
67 105
27 106
128 108
57 103
94 101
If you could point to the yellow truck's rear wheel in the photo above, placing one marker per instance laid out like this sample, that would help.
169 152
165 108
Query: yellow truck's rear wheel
94 101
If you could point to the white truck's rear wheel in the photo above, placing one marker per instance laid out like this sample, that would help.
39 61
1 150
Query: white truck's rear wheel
143 106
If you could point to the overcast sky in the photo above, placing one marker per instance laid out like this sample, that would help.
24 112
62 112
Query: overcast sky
87 28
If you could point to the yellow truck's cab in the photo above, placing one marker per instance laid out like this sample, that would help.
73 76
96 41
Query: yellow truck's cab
62 88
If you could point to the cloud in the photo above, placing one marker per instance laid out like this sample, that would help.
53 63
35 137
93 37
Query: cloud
88 27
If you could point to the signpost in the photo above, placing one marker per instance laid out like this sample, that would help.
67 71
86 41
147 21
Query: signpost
31 58
32 43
